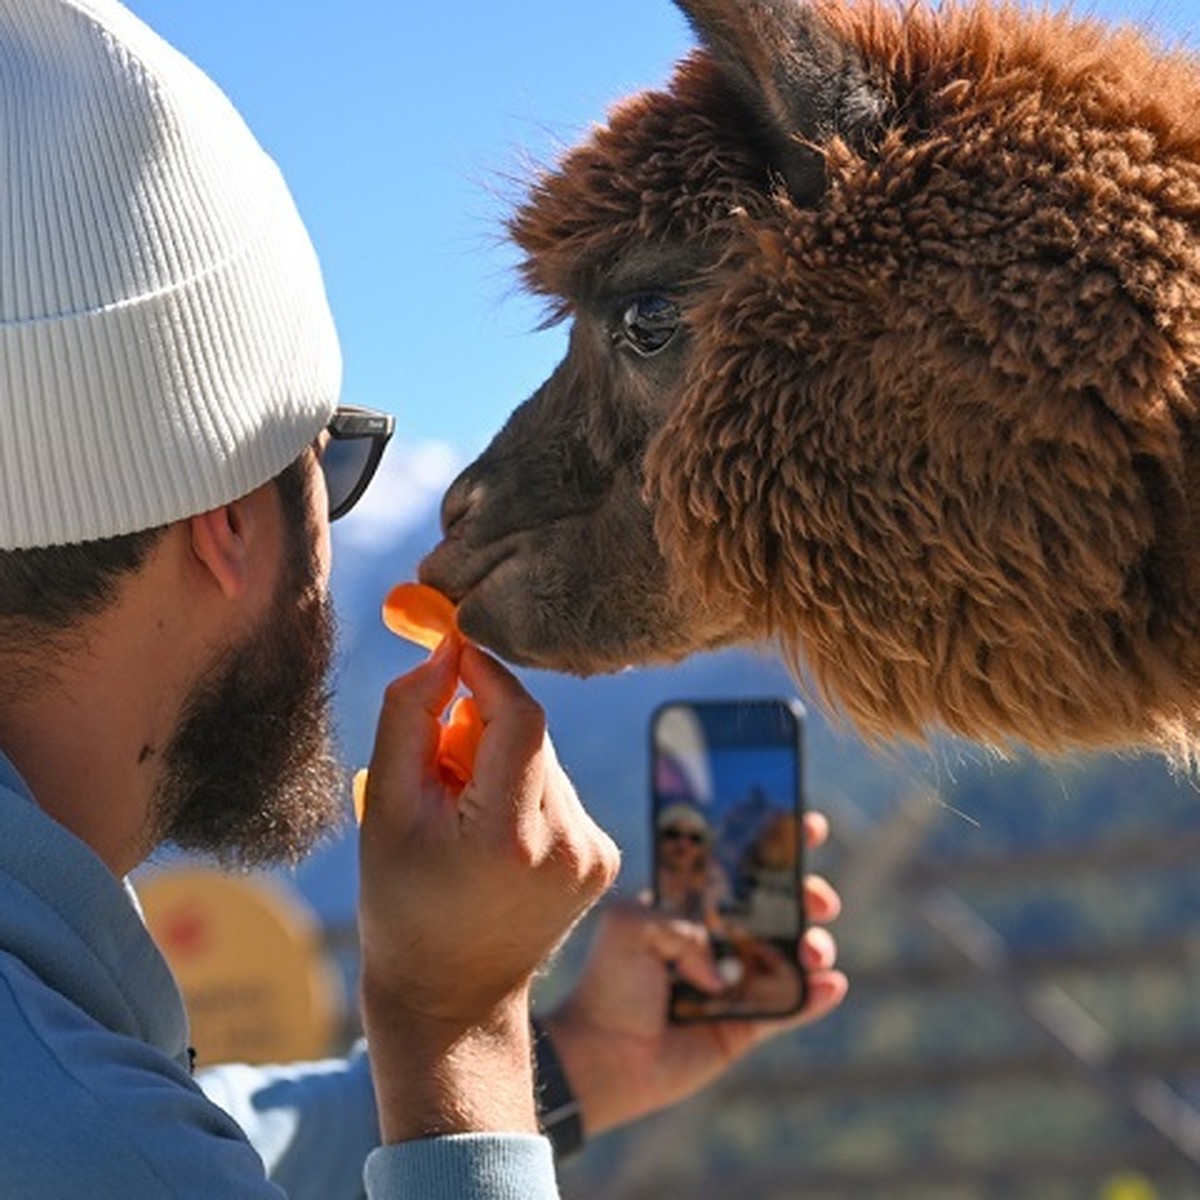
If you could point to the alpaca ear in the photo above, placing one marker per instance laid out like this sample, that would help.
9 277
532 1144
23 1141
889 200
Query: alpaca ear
806 84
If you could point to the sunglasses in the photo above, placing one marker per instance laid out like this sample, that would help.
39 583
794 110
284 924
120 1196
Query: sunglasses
682 835
357 437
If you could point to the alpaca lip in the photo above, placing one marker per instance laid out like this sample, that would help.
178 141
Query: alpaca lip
480 613
457 570
471 580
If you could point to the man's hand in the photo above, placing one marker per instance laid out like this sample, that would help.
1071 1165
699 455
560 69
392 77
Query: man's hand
464 895
622 1056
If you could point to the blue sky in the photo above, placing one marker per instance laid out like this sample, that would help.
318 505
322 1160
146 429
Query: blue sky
400 125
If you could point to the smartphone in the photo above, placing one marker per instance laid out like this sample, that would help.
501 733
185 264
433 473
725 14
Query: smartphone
726 826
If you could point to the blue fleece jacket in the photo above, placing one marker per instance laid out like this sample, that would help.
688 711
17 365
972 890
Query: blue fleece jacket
96 1097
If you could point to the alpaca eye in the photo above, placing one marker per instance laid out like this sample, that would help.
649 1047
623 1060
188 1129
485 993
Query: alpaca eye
648 324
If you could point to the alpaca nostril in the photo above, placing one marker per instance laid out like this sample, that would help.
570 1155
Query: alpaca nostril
461 496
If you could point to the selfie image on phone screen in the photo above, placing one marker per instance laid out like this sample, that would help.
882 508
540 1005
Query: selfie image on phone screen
726 813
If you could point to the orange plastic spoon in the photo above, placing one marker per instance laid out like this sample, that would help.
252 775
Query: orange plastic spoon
459 743
424 615
419 613
360 793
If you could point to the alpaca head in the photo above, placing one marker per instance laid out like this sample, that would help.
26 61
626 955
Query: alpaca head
885 345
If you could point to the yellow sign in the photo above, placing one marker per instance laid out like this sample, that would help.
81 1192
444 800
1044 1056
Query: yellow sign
246 954
1128 1187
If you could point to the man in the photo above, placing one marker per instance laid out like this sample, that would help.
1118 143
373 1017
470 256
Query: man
170 459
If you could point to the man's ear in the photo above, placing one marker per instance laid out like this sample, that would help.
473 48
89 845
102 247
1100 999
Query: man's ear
222 544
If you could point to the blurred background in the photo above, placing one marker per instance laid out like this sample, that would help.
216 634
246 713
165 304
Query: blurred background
1023 939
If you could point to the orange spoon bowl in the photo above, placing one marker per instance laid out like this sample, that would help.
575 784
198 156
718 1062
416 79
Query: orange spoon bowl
420 613
423 615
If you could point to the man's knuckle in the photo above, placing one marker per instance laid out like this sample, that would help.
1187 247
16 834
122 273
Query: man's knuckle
597 862
609 864
397 695
531 715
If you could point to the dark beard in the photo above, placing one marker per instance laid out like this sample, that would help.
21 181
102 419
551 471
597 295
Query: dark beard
250 777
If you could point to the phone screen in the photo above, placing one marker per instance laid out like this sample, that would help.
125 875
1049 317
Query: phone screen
727 790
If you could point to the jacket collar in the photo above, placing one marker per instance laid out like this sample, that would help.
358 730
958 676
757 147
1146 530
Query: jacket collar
77 926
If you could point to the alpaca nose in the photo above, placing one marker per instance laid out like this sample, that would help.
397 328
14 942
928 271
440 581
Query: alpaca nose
461 497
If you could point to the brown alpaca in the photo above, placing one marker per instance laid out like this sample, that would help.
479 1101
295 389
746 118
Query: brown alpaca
885 346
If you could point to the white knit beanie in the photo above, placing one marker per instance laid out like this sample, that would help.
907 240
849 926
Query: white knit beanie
165 341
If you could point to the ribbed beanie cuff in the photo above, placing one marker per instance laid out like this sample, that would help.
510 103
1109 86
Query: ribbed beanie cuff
165 341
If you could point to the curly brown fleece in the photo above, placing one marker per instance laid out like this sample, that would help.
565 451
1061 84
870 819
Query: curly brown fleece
1006 544
938 432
